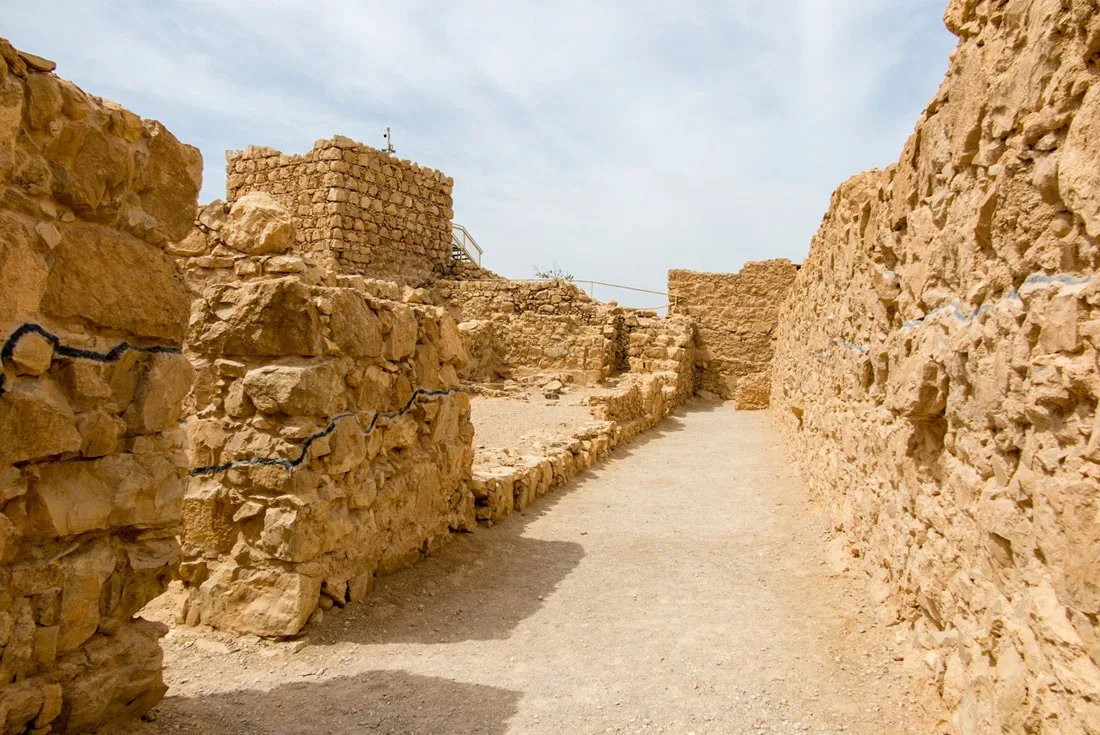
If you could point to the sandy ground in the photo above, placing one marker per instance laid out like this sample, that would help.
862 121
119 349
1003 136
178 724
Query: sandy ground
682 587
519 421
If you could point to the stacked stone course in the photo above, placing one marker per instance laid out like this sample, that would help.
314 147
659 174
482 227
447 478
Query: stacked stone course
504 483
522 328
937 372
329 441
735 316
356 210
92 382
655 378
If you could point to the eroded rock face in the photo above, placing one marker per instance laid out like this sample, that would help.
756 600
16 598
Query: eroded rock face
936 372
735 316
92 465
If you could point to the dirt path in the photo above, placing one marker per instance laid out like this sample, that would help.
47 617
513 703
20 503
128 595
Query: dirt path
682 587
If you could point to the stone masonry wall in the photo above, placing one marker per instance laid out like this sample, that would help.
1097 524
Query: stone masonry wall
92 466
660 378
329 440
662 345
517 328
357 210
735 316
486 298
937 376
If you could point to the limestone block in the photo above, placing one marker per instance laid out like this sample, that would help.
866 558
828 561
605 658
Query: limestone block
23 271
265 602
32 355
117 491
39 422
257 224
356 329
275 317
292 390
158 399
92 278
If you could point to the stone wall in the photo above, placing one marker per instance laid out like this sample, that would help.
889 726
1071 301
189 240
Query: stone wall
662 345
486 298
357 210
329 441
937 378
506 481
92 467
520 328
735 316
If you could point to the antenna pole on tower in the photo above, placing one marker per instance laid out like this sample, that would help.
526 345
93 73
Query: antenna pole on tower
389 142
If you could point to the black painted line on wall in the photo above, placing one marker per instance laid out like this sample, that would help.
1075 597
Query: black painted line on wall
290 464
75 353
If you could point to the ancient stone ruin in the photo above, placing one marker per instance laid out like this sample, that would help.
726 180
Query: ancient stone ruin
936 372
93 465
735 317
357 209
267 403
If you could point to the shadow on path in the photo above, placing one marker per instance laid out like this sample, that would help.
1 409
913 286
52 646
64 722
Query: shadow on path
377 702
481 585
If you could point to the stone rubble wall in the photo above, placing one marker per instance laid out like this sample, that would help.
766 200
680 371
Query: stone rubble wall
484 299
735 316
936 374
660 378
519 328
504 482
464 270
329 441
92 383
656 345
356 210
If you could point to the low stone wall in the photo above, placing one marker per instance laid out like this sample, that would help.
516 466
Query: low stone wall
505 482
92 467
485 299
329 439
464 270
357 210
735 316
531 327
937 373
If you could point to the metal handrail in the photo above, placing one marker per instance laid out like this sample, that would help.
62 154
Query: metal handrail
466 238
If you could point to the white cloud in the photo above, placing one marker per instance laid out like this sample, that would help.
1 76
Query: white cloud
616 138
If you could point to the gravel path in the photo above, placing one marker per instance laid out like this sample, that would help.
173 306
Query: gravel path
682 587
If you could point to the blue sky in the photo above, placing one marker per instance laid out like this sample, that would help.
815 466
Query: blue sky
617 138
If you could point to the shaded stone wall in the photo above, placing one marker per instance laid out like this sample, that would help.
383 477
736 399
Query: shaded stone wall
735 316
329 442
92 466
937 378
357 210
